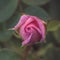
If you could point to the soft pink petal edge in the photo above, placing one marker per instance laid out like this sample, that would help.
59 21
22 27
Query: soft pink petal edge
21 21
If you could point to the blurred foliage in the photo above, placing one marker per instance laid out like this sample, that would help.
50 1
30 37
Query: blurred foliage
57 35
53 25
35 2
37 11
7 9
6 54
10 42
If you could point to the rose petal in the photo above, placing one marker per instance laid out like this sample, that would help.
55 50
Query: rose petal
27 40
21 21
36 37
28 21
35 28
41 25
23 34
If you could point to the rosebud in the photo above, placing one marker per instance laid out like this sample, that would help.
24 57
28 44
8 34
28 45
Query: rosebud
31 28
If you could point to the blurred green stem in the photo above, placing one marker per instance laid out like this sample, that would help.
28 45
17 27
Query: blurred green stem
26 52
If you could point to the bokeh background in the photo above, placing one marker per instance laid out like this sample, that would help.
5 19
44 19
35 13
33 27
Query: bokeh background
10 42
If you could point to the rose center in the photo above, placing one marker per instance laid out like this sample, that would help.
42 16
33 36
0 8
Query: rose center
28 28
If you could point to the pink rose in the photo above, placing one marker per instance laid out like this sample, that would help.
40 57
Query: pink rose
31 29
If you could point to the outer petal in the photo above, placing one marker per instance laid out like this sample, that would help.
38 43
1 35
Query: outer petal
41 25
29 21
21 21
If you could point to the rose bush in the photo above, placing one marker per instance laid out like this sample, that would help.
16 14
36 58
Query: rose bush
31 29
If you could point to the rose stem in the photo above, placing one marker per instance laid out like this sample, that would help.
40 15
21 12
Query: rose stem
26 52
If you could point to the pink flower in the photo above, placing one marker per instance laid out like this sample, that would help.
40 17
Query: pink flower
31 29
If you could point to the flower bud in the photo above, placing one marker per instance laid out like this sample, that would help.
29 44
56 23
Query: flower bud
32 29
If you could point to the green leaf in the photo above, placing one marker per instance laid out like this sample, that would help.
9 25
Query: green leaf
37 11
5 36
53 25
43 50
7 8
9 55
13 21
35 2
10 23
57 35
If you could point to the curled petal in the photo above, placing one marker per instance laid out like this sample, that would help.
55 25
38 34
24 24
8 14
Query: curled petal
25 42
23 33
35 28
